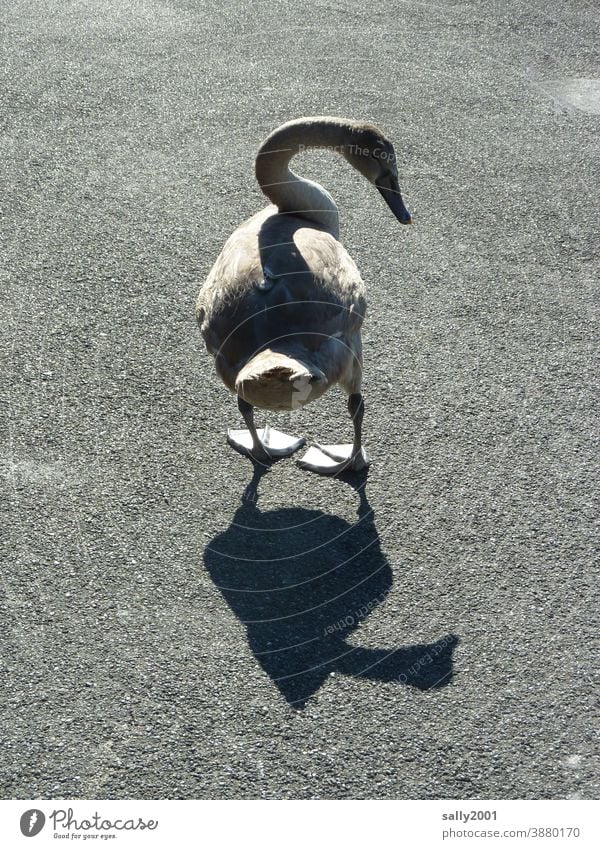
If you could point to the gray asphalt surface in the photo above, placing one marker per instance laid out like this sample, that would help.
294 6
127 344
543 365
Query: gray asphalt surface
162 640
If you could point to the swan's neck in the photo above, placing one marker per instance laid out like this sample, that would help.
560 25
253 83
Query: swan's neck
289 192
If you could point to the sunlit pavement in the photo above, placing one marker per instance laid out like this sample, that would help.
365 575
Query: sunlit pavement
425 631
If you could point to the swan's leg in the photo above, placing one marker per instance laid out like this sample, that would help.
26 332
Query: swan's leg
262 445
356 408
333 459
239 439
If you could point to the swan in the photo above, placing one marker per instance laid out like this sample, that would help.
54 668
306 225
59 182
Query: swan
282 307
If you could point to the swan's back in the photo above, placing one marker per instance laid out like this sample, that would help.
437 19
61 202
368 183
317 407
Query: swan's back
284 284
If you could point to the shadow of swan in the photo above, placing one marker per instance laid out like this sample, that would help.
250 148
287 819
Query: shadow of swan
301 581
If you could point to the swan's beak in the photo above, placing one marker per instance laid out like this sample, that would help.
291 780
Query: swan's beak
389 190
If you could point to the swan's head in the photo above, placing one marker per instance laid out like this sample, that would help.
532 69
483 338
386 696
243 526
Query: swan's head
368 150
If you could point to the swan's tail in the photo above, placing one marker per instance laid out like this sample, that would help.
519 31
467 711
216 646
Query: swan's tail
276 381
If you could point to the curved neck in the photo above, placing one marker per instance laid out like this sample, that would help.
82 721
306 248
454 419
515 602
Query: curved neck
289 192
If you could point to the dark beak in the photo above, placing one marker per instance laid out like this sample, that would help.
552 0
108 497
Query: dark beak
390 191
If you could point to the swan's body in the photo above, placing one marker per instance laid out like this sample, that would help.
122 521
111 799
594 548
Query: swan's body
282 308
301 293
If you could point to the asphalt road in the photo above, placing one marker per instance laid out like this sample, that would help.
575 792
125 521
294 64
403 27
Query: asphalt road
427 632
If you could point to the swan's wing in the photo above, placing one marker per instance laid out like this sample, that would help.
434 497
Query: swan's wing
335 276
236 270
317 303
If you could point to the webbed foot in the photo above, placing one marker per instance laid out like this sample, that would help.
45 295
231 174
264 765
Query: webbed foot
334 459
273 443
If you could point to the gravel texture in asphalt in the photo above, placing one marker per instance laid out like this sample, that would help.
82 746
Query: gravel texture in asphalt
426 631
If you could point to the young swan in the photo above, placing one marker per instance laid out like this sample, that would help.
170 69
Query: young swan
282 308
